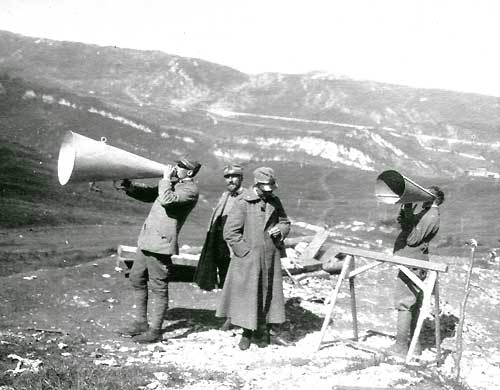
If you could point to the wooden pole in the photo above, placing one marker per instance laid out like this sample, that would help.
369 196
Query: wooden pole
437 321
458 354
353 304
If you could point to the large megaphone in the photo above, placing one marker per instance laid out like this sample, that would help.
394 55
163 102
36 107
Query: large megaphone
84 159
392 187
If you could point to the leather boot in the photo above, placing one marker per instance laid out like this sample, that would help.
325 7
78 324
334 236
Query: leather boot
246 339
150 336
400 347
261 337
140 325
159 306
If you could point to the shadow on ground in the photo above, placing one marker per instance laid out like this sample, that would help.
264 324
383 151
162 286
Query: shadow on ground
447 325
300 321
184 321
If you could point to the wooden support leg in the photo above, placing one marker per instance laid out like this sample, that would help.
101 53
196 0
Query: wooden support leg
427 291
437 319
345 268
353 304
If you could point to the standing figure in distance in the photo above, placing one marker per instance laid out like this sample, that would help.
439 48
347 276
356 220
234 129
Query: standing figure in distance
215 254
173 199
417 230
253 291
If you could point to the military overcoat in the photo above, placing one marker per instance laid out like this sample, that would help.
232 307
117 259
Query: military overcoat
253 291
210 257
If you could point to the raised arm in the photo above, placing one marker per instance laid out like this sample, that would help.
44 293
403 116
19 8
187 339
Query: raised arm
171 195
141 192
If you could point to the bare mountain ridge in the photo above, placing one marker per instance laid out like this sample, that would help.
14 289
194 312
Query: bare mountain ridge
312 118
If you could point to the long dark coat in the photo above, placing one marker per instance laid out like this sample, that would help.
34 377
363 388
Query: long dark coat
253 291
215 255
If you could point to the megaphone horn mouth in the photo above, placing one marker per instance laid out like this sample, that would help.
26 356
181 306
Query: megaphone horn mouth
84 159
391 187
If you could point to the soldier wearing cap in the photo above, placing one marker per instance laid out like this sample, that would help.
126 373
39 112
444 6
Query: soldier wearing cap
215 255
417 231
173 199
253 291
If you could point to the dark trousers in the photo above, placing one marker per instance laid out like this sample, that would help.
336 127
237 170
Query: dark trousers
153 269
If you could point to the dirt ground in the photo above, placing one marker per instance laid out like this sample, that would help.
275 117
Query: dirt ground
90 300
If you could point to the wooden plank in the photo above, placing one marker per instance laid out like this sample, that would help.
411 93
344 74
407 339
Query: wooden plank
315 245
364 268
393 259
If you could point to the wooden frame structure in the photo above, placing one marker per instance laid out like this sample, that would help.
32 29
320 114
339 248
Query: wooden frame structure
428 286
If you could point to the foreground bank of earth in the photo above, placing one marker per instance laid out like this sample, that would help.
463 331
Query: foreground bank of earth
78 308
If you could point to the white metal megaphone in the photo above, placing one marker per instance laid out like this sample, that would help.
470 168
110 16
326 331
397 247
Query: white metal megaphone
84 159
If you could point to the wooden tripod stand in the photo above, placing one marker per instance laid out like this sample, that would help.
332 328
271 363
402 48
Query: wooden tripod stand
428 286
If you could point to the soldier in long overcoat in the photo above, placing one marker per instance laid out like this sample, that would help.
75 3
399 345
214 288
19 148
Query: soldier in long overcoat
253 292
215 255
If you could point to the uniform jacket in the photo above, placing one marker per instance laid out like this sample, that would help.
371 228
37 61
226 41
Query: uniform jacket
172 202
211 254
254 281
417 231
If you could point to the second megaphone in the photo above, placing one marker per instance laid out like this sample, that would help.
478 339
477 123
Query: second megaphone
84 159
392 187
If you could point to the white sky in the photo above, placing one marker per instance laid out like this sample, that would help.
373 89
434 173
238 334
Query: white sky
450 44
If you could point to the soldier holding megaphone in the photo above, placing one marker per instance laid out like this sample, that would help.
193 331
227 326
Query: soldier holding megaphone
419 225
173 199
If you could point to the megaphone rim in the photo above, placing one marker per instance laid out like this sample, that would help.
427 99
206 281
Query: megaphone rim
66 159
396 196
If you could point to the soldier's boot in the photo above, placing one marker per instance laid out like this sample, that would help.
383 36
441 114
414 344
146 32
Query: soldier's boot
140 325
246 339
400 347
159 306
261 336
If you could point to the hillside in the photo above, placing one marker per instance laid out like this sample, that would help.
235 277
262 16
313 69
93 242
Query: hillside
326 138
311 118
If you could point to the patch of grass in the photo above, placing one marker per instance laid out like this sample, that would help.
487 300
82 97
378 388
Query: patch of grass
78 371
